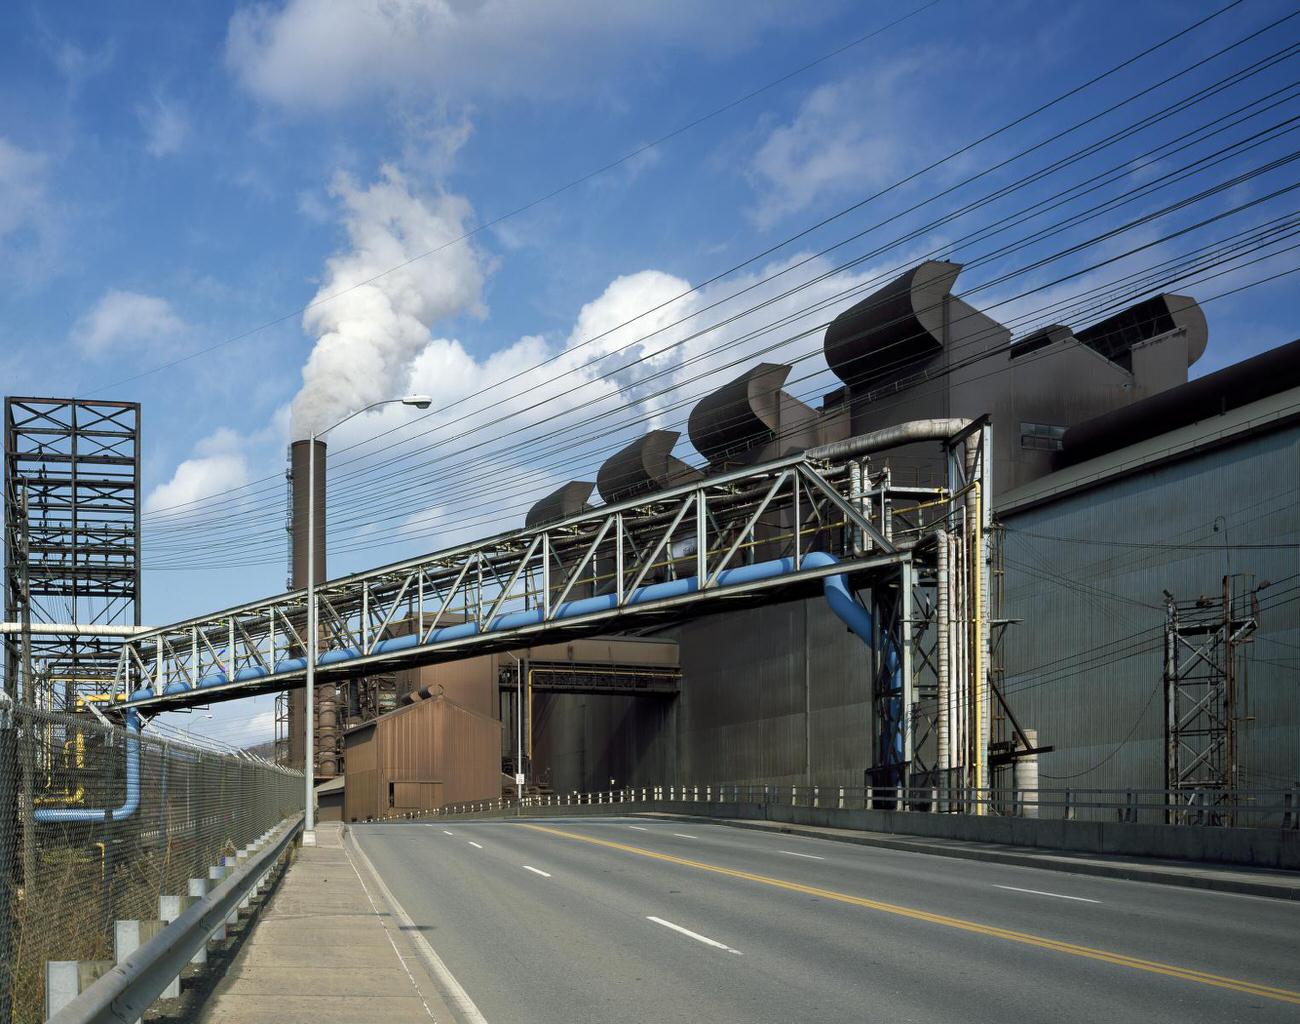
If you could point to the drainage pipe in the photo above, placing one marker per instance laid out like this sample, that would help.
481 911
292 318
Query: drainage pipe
944 617
49 815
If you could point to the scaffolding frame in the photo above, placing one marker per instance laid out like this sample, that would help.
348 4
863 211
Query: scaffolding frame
72 540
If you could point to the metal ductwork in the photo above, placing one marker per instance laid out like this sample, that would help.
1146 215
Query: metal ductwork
646 465
890 437
566 500
1116 336
892 329
751 419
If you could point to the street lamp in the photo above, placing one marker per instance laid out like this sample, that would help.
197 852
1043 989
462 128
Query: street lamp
309 821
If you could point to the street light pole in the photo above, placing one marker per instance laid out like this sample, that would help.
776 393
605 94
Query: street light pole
313 636
519 726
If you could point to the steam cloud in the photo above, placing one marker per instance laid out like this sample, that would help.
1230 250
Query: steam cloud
370 331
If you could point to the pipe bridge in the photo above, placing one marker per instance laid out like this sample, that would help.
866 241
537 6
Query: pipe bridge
825 520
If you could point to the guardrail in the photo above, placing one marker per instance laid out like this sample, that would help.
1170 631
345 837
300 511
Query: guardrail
1271 808
130 988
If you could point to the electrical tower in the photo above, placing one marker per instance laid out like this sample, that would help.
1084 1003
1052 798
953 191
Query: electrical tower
72 543
1206 695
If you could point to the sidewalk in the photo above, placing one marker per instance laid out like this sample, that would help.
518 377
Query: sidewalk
1218 878
322 952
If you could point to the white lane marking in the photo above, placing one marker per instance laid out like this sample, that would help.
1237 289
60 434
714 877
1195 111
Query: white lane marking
446 833
452 988
683 835
475 845
694 935
537 871
1039 892
810 856
639 828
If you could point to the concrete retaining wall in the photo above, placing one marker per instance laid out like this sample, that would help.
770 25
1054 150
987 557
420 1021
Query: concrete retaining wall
1249 847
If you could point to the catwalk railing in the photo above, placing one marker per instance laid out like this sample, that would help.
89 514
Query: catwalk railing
1271 808
98 822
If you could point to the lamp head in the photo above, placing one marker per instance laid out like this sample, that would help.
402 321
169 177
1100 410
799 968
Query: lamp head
419 401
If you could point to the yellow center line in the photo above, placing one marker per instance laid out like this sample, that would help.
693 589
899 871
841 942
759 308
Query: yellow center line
1118 959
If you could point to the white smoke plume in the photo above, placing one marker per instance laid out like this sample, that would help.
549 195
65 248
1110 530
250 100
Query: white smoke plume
372 327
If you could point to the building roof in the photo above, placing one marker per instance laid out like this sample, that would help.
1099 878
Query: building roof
1260 416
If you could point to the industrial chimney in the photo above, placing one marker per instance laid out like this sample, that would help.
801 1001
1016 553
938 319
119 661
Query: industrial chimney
299 474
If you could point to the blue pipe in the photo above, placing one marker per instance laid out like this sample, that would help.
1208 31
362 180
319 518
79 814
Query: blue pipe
46 815
835 588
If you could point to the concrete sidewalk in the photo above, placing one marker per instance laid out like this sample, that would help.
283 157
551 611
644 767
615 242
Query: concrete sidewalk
1215 877
322 952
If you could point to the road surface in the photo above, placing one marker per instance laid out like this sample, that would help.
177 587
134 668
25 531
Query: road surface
557 921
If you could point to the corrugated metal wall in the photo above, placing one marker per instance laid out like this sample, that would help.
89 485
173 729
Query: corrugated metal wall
580 742
1085 575
420 757
774 696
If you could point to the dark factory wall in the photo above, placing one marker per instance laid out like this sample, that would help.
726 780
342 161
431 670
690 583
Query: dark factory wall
582 741
764 687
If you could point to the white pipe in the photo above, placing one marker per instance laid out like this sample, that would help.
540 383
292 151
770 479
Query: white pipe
75 629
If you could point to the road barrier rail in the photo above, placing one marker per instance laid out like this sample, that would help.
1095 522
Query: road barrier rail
130 987
1256 808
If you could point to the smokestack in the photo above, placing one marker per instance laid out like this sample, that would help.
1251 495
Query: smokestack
299 474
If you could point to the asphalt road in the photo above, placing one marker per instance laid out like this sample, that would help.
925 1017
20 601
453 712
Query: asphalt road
627 919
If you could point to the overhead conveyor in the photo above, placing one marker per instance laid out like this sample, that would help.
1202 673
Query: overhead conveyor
822 521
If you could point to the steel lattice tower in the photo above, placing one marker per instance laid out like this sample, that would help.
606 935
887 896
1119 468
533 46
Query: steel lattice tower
72 540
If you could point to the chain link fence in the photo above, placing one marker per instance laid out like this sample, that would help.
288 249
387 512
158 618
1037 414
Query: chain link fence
97 822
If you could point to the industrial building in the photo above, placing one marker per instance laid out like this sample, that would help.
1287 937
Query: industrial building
1098 440
1130 503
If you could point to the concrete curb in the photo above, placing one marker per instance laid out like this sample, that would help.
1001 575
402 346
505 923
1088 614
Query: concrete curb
1128 871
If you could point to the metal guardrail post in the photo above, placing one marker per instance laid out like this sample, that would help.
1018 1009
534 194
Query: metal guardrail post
129 988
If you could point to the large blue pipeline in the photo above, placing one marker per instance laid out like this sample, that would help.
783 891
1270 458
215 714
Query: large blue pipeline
131 804
835 589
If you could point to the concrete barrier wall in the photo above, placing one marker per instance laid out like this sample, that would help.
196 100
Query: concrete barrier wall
1250 847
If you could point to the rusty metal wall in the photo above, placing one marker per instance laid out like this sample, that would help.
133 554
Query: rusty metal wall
361 773
418 758
467 753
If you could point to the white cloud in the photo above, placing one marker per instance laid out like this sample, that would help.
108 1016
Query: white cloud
165 124
320 55
126 320
376 322
218 464
845 136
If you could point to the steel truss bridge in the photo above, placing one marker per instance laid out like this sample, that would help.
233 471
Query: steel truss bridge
907 568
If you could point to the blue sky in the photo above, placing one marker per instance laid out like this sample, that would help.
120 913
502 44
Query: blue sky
177 175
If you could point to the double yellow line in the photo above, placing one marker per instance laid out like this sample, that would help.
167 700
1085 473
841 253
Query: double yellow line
1024 938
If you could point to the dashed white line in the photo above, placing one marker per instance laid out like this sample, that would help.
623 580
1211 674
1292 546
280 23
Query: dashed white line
1039 892
537 871
694 935
683 835
475 845
810 856
446 833
639 828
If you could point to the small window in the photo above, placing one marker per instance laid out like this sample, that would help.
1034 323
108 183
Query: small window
1042 437
392 793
